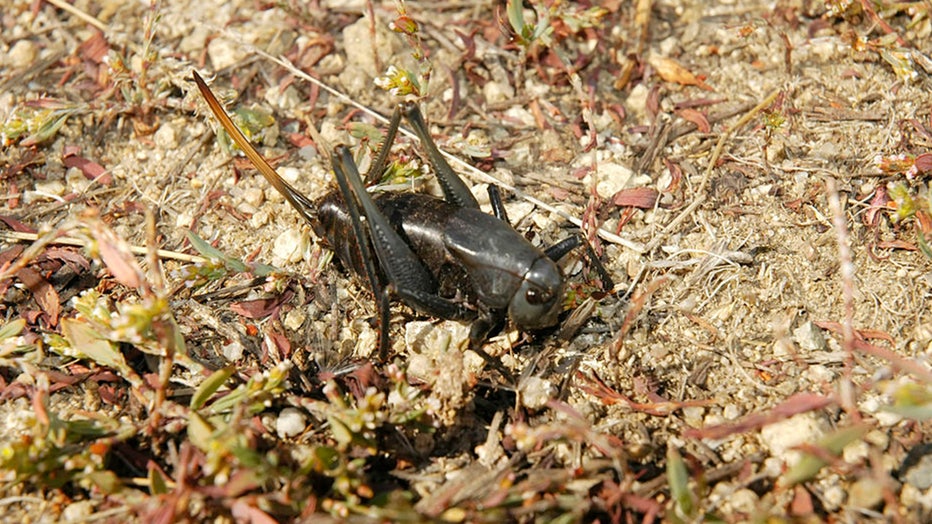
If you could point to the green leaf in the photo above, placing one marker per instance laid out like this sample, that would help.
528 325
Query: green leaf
12 328
209 251
678 480
516 17
918 413
326 459
157 483
341 432
368 131
210 386
924 246
200 432
810 464
262 270
912 400
86 343
47 128
86 428
105 481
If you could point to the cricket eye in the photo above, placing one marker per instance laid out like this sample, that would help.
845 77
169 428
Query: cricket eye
537 296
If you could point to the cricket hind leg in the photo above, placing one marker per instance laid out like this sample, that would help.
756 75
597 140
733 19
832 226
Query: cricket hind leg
455 191
381 160
365 253
406 276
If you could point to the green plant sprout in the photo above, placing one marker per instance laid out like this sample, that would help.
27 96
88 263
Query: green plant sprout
35 125
401 82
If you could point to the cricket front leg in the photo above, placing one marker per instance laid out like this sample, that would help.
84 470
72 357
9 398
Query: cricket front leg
479 332
561 248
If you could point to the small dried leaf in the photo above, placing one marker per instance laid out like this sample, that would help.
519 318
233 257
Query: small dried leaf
117 256
798 403
925 222
95 48
69 256
802 502
641 197
897 244
671 71
879 203
16 225
696 117
43 292
924 163
91 170
243 512
261 307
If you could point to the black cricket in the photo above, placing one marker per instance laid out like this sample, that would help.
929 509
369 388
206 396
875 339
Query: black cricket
442 257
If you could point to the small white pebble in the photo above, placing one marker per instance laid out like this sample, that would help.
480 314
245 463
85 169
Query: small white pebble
294 319
46 190
291 422
819 374
497 92
419 366
184 220
693 415
744 501
287 99
259 219
77 182
224 53
877 438
865 493
612 178
536 392
290 174
308 152
732 411
232 351
51 187
79 511
833 497
517 211
290 246
809 337
782 436
855 452
166 137
254 196
22 54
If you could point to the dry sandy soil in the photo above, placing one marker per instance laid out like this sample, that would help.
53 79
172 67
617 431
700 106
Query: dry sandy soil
757 173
